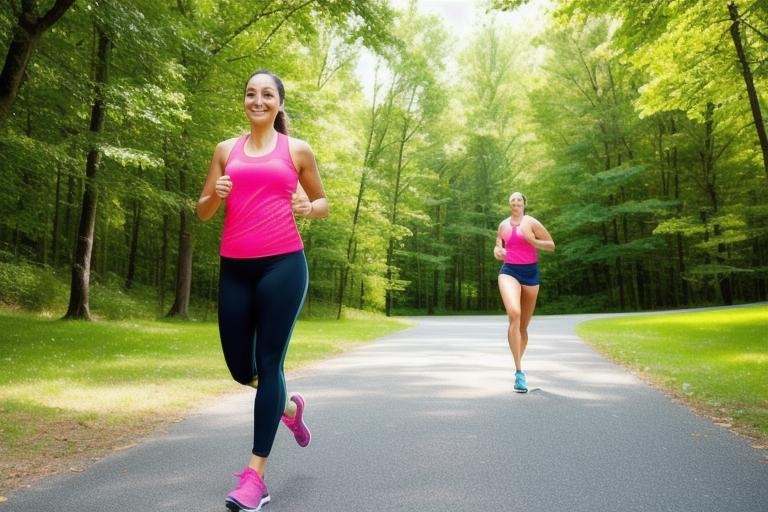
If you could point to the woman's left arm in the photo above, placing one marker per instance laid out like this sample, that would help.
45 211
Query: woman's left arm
309 201
539 237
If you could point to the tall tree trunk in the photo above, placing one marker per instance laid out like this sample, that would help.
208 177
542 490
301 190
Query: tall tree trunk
351 244
180 307
162 270
133 245
388 297
24 41
81 265
372 149
56 220
746 72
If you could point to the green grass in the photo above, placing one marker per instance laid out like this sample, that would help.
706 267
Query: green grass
714 360
63 383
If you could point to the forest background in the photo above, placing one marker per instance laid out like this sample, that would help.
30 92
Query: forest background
636 129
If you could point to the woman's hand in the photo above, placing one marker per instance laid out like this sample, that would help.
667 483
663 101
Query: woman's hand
223 186
529 234
538 236
301 205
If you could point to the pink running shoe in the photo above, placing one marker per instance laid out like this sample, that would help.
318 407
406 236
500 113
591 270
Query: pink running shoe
250 494
296 424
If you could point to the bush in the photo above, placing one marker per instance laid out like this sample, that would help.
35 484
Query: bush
29 287
573 304
108 299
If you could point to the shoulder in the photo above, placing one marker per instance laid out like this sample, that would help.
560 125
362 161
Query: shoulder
535 224
224 147
504 224
299 146
301 153
532 220
229 143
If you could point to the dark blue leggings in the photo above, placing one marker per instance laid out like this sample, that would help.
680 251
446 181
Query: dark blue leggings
259 301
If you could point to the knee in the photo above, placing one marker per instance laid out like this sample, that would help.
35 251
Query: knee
514 315
242 377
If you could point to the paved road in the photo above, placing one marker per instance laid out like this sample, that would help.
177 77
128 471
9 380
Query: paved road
425 420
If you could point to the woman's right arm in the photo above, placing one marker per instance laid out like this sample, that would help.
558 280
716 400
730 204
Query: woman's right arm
217 186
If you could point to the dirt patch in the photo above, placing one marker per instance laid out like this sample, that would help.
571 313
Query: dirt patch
70 445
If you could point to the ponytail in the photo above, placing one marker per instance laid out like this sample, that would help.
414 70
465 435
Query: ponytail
281 122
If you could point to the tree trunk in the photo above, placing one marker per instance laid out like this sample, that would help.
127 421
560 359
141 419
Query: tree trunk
350 244
133 245
373 146
746 72
24 41
81 265
388 297
180 307
55 228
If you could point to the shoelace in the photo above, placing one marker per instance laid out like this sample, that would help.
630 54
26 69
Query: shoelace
247 477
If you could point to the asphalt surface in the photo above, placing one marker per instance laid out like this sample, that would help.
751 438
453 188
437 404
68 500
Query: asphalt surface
425 420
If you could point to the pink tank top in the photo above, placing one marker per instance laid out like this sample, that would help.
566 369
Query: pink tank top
519 251
258 220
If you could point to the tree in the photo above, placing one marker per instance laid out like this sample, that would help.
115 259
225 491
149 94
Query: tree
81 265
376 131
27 31
749 82
414 101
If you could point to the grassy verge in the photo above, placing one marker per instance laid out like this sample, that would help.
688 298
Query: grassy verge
72 391
716 361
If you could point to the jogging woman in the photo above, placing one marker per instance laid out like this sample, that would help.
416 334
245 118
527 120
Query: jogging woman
518 238
264 178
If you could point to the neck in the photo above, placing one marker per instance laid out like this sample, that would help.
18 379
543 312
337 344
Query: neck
516 219
261 140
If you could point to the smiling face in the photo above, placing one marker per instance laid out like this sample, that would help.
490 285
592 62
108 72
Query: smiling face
517 203
262 100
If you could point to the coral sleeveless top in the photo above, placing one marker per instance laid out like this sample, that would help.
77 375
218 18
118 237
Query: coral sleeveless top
519 251
258 220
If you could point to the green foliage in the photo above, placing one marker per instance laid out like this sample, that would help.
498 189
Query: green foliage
110 301
625 123
30 287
